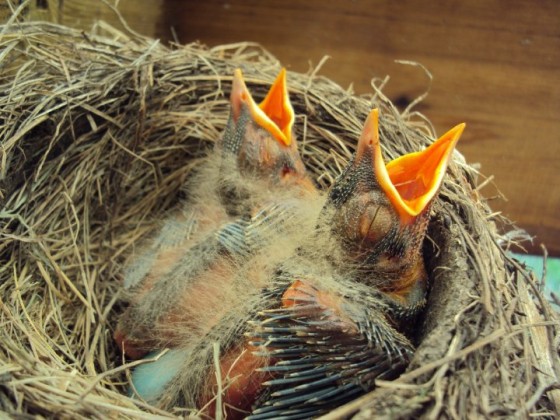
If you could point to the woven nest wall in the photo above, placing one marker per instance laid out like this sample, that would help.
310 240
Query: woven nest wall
98 136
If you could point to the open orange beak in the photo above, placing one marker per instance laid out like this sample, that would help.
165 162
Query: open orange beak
275 113
410 181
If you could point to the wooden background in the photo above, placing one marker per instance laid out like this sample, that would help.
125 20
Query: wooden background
495 65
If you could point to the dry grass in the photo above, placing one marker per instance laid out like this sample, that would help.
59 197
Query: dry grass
99 133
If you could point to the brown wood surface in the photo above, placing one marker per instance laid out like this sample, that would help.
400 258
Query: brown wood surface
144 16
495 65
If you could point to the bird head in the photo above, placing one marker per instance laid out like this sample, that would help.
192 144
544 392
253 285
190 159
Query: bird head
379 212
260 135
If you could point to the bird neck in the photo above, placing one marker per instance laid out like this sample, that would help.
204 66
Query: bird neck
408 287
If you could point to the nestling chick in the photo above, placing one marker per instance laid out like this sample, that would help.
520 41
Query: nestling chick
341 301
254 177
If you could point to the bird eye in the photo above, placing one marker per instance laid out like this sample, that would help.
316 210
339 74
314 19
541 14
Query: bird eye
363 222
374 223
286 170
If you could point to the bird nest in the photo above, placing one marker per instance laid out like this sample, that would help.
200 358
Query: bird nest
98 136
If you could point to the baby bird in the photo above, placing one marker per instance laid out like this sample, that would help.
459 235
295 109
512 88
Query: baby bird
343 301
254 177
258 146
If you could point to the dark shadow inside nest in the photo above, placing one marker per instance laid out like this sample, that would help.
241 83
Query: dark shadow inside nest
451 282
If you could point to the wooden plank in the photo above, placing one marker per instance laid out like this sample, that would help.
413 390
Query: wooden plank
495 66
47 10
141 15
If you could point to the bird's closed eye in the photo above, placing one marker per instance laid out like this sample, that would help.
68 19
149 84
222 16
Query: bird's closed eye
374 223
